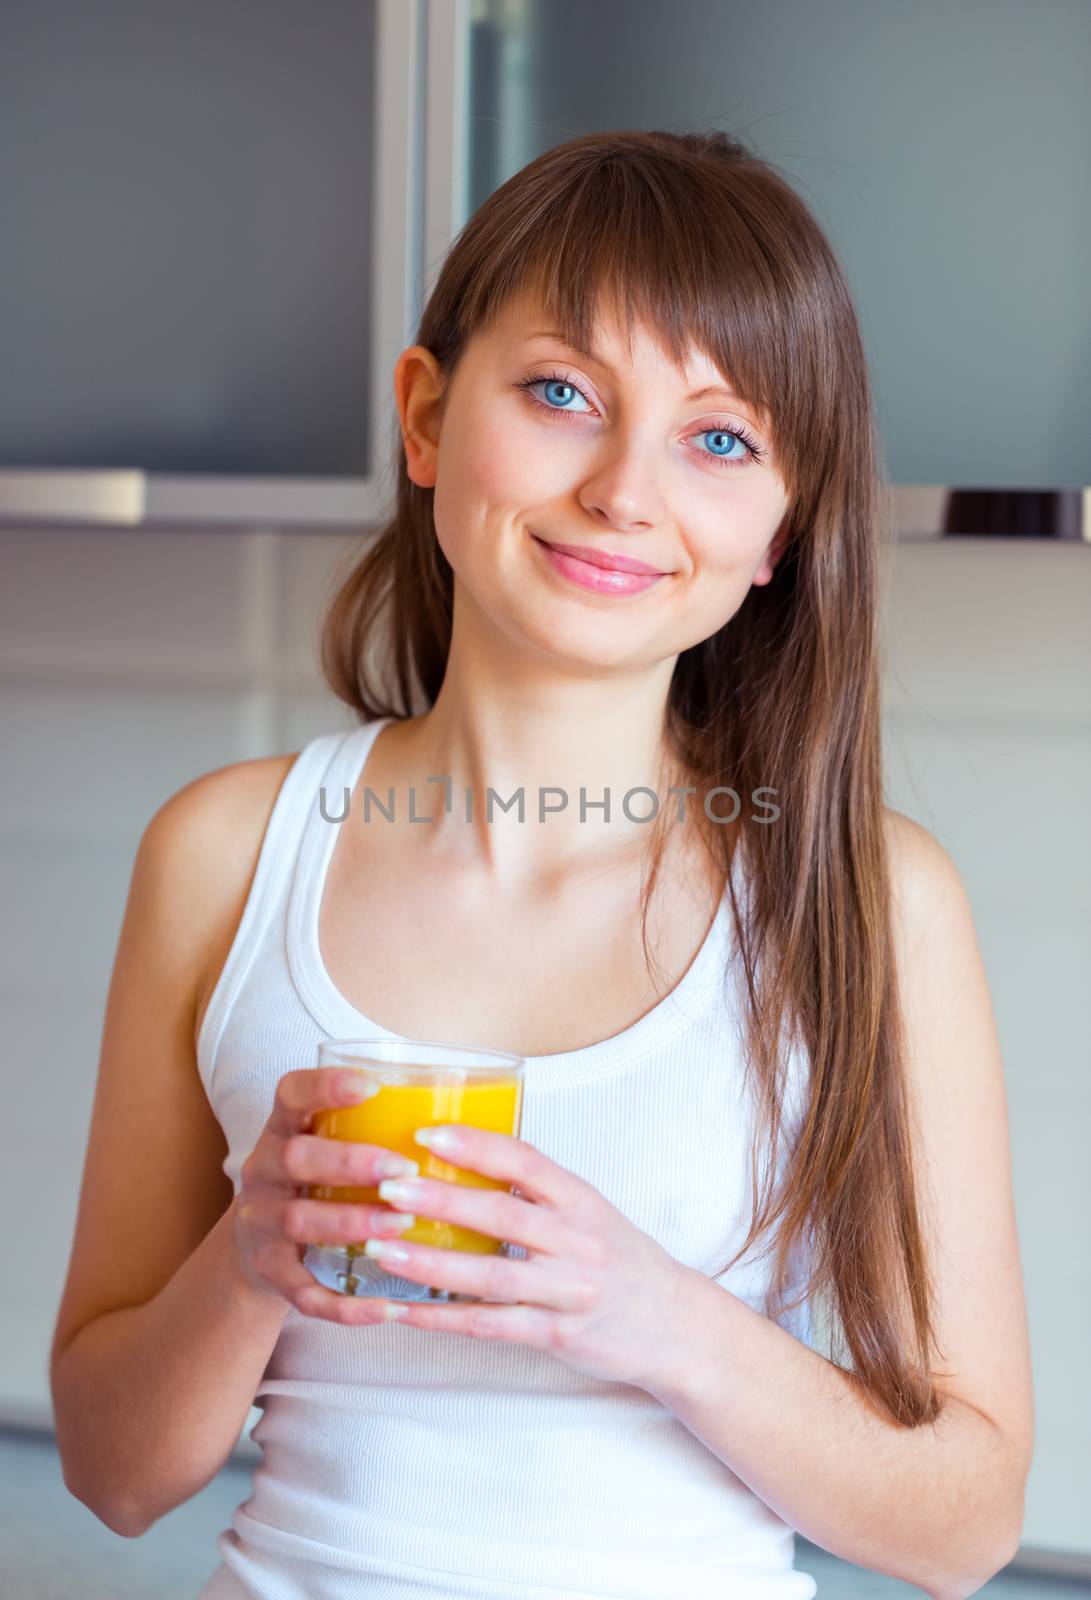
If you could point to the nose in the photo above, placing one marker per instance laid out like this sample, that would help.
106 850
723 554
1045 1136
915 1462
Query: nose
622 494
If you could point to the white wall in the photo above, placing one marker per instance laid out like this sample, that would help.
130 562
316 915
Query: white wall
987 696
131 661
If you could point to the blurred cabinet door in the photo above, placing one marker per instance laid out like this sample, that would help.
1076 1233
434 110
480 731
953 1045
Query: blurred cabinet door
188 199
945 149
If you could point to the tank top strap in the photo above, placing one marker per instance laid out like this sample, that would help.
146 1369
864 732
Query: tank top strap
285 833
328 806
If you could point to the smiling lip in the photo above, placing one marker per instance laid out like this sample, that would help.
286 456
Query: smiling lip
599 574
600 558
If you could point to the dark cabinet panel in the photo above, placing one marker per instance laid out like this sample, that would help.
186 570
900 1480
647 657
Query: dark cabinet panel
187 206
945 148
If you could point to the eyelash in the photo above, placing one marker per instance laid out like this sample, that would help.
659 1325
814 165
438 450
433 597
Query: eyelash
737 431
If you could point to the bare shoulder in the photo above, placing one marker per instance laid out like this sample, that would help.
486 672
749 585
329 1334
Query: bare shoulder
921 869
204 843
213 806
153 1131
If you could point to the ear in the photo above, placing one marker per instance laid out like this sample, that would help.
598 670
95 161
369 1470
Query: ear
418 387
777 546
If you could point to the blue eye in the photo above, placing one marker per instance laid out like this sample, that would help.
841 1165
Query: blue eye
558 405
722 433
555 383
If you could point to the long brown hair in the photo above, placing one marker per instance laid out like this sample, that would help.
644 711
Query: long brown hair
709 245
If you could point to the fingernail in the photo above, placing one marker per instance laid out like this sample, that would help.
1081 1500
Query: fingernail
400 1189
437 1138
397 1167
357 1083
386 1250
393 1310
399 1219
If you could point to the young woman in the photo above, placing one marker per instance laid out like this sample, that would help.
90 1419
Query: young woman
762 1070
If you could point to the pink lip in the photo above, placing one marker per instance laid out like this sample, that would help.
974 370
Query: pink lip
589 575
601 558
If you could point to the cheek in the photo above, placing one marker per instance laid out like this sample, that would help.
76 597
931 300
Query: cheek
512 460
473 474
473 498
458 489
729 544
725 557
491 472
714 607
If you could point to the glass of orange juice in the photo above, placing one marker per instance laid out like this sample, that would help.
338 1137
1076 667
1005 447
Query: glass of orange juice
413 1084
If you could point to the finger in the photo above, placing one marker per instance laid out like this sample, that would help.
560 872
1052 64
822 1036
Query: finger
491 1211
501 1155
333 1222
299 1094
280 1264
522 1324
305 1158
351 1310
492 1277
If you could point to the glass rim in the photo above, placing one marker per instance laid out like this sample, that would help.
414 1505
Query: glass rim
395 1049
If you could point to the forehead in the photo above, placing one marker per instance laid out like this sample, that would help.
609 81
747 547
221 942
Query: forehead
612 342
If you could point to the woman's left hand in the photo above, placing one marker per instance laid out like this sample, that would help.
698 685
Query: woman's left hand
595 1290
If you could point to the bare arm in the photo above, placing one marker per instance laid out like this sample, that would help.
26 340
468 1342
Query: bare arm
939 1506
177 1290
157 1394
160 1343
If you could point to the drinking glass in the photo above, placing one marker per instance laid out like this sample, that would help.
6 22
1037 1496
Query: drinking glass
413 1084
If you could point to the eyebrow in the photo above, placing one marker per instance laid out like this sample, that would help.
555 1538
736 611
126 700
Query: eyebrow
593 355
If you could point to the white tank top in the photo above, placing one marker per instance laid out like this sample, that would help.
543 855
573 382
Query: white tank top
403 1463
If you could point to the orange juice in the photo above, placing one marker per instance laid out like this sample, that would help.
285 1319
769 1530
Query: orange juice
392 1116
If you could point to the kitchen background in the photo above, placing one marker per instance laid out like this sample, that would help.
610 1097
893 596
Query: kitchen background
214 252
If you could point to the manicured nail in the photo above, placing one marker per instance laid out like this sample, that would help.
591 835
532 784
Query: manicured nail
386 1250
395 1309
358 1084
397 1167
399 1189
437 1138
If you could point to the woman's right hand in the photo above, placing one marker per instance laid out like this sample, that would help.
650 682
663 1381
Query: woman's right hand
274 1221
